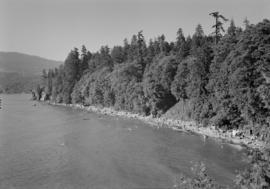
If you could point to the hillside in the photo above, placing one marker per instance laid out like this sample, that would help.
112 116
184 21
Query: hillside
21 72
12 82
23 63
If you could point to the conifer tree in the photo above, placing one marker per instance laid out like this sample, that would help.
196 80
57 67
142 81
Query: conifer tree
182 47
150 51
218 25
232 29
141 50
126 48
70 74
117 54
85 57
133 49
105 58
246 23
198 39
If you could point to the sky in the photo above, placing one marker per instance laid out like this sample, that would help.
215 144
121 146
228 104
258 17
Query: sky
51 28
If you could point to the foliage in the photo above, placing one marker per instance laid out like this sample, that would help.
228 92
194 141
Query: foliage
181 79
118 55
224 84
124 79
246 65
257 176
12 82
201 179
218 25
226 114
157 84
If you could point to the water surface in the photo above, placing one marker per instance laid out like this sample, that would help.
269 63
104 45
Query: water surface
43 146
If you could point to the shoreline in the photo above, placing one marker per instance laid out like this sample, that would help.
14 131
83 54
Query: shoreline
177 125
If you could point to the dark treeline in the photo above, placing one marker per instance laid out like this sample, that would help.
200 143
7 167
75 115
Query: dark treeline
221 80
13 82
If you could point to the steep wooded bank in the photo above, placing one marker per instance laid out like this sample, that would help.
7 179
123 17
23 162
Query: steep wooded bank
224 84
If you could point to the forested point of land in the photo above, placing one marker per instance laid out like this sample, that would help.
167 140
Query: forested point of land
221 79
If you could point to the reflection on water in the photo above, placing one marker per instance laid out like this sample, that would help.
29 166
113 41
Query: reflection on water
42 146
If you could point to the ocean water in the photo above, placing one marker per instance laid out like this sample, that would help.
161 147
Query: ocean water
43 146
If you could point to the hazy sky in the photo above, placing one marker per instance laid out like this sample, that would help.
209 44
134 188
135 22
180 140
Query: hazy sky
50 28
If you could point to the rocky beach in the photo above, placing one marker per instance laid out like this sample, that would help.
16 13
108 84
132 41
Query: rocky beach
235 137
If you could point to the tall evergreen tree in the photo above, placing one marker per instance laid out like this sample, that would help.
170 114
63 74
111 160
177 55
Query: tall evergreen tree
246 23
85 57
180 46
133 48
232 29
126 48
71 70
105 57
141 50
150 51
218 25
198 39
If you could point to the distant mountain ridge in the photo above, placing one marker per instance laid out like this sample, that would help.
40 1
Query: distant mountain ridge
24 63
21 72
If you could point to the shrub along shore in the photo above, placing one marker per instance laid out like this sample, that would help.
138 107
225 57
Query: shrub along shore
235 136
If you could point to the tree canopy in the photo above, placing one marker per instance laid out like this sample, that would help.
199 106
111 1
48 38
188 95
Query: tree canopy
224 82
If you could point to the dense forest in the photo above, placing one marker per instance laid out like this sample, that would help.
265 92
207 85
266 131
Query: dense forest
222 79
